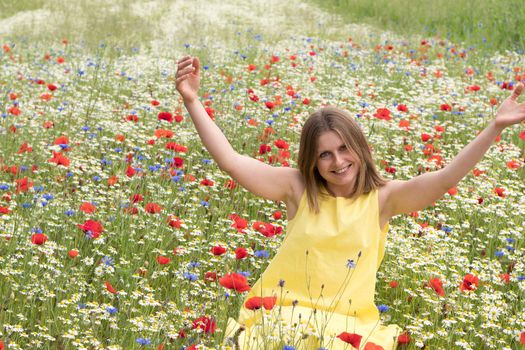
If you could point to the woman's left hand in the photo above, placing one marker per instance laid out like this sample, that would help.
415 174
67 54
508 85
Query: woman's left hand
510 111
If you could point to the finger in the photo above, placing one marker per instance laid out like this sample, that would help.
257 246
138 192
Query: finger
184 64
186 70
196 64
181 79
183 59
517 91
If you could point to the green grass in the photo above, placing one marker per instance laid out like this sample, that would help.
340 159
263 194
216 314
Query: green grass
486 24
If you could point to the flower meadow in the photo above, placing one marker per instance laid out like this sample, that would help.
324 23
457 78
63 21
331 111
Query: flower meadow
117 230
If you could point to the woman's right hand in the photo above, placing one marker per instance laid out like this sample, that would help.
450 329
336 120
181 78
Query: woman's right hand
188 78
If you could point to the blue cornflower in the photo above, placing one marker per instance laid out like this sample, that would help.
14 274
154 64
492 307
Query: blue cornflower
499 253
510 240
48 196
350 263
244 273
38 188
26 205
175 178
205 204
521 278
111 310
288 347
383 308
69 212
194 264
509 248
96 178
261 253
82 306
190 276
108 261
85 128
69 174
4 187
143 341
207 161
36 230
118 149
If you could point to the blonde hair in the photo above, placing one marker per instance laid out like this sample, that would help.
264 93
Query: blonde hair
339 121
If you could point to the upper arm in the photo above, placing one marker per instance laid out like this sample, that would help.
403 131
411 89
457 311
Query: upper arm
403 197
261 179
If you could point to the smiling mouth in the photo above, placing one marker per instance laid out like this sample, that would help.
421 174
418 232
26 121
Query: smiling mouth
342 170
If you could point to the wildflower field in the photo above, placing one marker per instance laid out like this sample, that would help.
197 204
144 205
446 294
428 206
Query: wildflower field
117 229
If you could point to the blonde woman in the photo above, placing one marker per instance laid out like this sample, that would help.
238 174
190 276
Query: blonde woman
338 208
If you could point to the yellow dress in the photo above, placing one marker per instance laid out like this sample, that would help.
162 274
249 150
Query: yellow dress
320 293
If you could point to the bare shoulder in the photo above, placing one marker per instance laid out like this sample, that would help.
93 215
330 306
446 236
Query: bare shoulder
297 189
385 202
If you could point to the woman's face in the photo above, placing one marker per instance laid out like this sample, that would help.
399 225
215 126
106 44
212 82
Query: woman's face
338 165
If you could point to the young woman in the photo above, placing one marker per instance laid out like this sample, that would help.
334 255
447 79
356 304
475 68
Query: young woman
338 205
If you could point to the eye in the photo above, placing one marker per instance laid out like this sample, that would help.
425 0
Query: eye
324 155
343 148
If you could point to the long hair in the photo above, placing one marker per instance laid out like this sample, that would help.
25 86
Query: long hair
339 121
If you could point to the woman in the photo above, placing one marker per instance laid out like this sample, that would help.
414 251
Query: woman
323 276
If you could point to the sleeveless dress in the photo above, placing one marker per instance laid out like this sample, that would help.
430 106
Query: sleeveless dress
323 277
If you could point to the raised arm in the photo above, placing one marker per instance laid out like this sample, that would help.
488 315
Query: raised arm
259 178
417 193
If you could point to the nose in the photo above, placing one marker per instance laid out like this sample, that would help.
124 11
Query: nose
338 159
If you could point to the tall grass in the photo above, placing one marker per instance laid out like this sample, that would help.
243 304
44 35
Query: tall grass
486 24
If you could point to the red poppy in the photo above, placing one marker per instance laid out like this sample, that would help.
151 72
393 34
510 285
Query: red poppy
240 253
4 210
281 144
130 171
137 198
393 284
513 164
1 342
522 338
500 191
88 208
38 238
373 346
235 281
210 276
277 215
152 208
264 149
425 137
403 338
205 323
269 104
160 133
167 116
470 283
255 303
267 229
23 185
402 108
59 159
155 103
522 135
383 114
94 228
174 221
73 253
178 162
207 182
163 260
230 184
445 107
505 277
238 223
437 285
218 250
211 112
351 338
25 148
110 288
